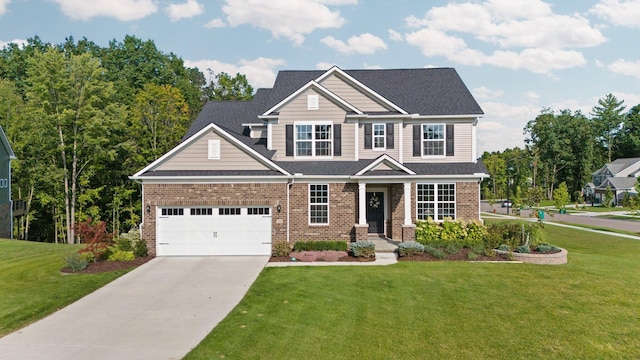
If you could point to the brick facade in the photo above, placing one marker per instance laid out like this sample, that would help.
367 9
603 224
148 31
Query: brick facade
343 207
5 221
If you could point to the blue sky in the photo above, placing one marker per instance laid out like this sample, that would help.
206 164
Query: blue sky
516 56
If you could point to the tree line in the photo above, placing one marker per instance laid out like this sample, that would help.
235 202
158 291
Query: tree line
563 147
81 118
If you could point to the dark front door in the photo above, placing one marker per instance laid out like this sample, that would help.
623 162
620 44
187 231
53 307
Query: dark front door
375 212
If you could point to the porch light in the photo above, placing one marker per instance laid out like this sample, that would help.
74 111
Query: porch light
148 209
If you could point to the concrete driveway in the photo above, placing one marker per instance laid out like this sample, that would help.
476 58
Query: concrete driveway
160 310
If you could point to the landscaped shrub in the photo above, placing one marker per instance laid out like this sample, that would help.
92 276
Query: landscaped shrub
364 249
427 232
434 251
320 246
547 249
472 255
523 249
87 256
453 232
120 255
515 234
75 262
95 236
410 248
476 234
453 247
140 249
281 248
504 247
124 244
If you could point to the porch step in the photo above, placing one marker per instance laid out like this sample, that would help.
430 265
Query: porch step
384 245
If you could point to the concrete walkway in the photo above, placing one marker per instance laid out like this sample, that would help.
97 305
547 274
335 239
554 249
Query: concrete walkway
160 310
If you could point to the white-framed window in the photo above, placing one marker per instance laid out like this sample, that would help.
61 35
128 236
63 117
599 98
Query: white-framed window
314 139
318 204
201 211
172 212
214 149
379 136
4 183
433 140
229 211
437 201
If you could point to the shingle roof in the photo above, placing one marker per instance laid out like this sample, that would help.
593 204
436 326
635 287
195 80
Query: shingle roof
200 173
4 142
619 183
352 167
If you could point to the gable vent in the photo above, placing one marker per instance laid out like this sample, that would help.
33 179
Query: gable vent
214 149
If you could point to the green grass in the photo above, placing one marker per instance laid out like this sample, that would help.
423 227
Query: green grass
31 285
619 217
586 309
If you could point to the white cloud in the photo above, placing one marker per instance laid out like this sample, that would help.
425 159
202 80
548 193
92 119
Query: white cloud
123 10
624 67
371 67
215 23
185 10
324 66
291 19
364 44
619 12
483 93
395 36
503 125
3 6
20 42
536 40
532 96
260 72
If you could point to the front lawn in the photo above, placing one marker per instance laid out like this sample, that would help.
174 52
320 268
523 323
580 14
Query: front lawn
444 310
31 285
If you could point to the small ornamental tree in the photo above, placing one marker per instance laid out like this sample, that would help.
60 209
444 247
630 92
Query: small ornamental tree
561 196
635 200
608 197
95 236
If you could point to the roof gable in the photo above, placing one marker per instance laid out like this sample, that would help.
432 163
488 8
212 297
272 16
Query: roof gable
318 88
156 165
4 142
384 163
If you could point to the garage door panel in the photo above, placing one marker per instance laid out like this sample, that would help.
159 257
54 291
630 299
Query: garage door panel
223 232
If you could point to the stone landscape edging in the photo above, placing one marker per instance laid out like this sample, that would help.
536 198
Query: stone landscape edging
558 258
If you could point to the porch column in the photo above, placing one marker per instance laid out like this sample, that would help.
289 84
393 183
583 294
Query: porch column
407 203
362 203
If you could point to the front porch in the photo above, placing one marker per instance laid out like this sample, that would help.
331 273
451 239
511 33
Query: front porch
384 210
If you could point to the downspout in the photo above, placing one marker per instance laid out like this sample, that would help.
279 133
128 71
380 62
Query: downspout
143 207
289 185
10 205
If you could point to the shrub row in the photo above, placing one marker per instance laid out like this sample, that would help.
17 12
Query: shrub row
320 246
364 249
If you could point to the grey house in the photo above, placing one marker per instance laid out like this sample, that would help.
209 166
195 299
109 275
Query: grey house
6 155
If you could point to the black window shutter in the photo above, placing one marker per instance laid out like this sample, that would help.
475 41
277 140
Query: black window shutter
367 136
450 140
417 137
289 140
390 136
337 140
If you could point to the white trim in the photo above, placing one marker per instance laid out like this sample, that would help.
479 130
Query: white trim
474 150
357 141
362 203
213 149
400 143
423 140
324 91
353 81
270 164
379 160
435 198
313 102
385 199
269 136
407 203
327 203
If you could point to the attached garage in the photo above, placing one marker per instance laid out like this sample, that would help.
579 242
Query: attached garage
202 231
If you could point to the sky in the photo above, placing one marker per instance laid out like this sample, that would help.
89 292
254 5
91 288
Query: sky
517 57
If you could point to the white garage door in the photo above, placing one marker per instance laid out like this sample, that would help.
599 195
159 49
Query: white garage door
213 231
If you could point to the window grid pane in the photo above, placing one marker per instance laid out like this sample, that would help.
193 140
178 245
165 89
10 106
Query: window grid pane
318 204
433 139
314 140
379 136
437 201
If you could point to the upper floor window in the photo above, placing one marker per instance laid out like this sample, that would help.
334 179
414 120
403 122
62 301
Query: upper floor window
313 139
433 139
379 135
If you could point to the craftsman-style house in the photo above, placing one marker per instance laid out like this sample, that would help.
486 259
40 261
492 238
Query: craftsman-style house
323 155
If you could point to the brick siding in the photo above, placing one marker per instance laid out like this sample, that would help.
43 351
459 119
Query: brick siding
467 198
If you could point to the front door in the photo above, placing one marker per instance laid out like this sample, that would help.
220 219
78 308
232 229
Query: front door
375 212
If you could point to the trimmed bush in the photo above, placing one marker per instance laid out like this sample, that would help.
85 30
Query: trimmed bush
364 249
124 244
523 249
504 247
87 256
514 234
453 247
75 262
140 249
320 246
547 249
281 249
435 252
410 248
120 255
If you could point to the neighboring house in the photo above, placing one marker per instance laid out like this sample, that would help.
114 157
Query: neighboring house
323 155
6 155
620 175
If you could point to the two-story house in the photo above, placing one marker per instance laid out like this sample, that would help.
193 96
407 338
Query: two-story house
323 155
6 155
620 176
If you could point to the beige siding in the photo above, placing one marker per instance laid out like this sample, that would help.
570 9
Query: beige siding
351 95
372 154
296 110
462 143
195 157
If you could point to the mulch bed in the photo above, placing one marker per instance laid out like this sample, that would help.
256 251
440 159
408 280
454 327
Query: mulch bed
342 259
105 266
462 255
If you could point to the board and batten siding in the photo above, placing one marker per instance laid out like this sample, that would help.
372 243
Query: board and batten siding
351 95
463 149
296 110
196 157
372 154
